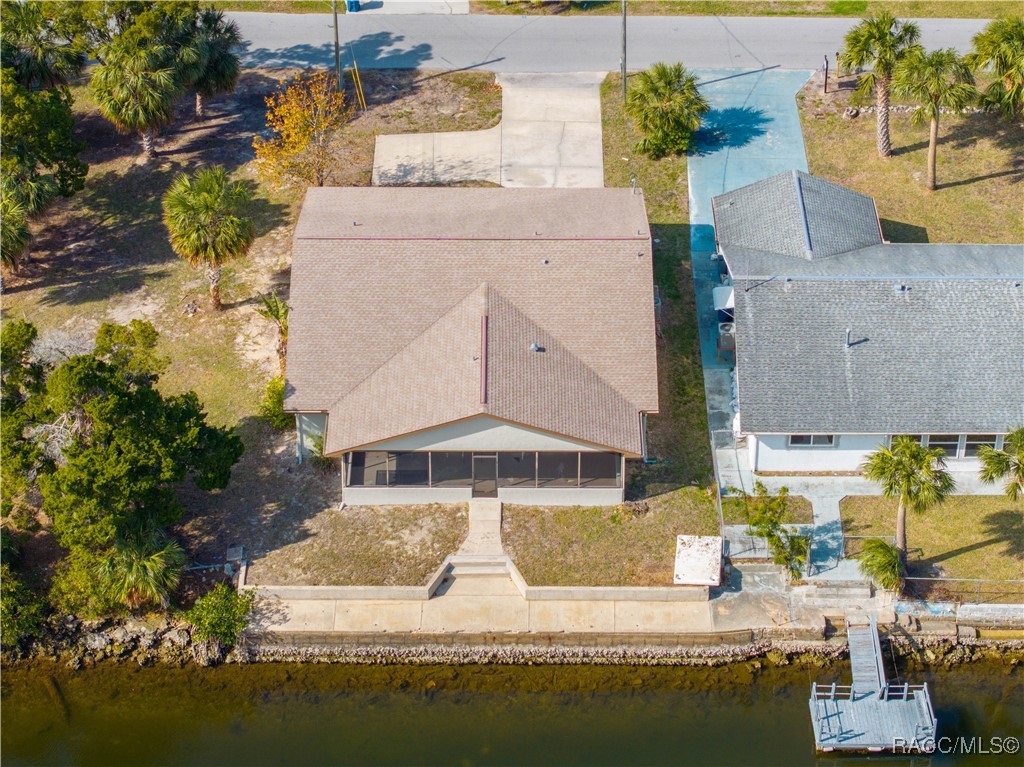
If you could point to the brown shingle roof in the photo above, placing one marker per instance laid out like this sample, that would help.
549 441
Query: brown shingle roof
385 329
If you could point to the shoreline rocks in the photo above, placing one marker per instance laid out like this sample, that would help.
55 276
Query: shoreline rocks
84 644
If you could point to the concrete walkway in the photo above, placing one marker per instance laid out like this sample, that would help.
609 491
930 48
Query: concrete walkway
549 136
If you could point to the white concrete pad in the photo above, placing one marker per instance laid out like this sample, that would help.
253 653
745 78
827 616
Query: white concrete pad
698 560
579 616
437 158
663 617
476 614
305 615
549 136
377 616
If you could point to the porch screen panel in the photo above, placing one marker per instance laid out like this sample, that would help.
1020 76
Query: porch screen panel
410 469
451 469
517 469
369 469
558 469
600 469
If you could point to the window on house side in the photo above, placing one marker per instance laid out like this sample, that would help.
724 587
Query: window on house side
948 442
811 440
974 441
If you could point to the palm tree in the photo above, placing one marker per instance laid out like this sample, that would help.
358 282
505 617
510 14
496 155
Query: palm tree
667 107
276 310
936 80
35 49
1000 46
14 233
879 42
142 569
203 215
219 40
1007 464
914 474
136 87
883 563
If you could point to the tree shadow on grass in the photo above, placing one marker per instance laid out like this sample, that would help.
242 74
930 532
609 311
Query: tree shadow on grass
729 128
267 502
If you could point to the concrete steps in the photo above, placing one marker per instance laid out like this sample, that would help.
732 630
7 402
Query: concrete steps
462 567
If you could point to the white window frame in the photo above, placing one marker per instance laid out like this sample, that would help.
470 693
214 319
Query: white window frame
833 442
959 446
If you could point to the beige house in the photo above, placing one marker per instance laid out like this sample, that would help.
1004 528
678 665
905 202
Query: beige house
458 343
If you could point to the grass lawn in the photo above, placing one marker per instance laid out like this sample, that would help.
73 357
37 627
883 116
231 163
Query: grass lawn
978 9
103 255
969 536
980 170
799 511
678 436
365 545
629 545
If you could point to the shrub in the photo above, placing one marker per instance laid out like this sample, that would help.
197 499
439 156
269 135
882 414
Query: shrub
882 562
272 406
21 610
142 569
317 457
222 614
77 590
764 520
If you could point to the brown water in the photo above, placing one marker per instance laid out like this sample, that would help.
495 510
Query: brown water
320 714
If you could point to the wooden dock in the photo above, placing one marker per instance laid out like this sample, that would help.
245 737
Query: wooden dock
871 714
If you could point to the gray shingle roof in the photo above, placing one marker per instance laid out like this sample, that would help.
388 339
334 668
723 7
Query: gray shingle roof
385 329
797 215
937 330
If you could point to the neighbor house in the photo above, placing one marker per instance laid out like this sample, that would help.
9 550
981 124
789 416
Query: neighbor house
843 340
449 343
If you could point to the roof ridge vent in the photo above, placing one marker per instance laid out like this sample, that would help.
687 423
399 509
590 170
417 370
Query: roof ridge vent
808 250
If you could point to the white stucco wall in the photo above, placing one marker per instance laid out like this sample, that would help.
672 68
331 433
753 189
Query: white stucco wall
370 496
771 452
308 426
561 496
528 496
482 434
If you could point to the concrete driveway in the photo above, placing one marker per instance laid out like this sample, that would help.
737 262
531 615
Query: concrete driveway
549 136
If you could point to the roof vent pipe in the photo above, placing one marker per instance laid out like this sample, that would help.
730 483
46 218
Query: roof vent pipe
848 344
536 347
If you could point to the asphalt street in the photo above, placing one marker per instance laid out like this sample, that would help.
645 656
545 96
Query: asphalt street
560 44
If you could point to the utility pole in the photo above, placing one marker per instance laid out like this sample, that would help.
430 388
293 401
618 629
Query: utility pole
337 48
622 61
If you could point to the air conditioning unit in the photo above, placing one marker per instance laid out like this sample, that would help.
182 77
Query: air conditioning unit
726 328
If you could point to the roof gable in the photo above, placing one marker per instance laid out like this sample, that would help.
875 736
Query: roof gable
797 215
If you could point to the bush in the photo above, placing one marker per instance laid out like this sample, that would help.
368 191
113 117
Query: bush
222 614
21 610
764 519
882 562
272 406
316 455
77 590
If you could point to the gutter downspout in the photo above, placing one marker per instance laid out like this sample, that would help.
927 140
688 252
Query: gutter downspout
299 437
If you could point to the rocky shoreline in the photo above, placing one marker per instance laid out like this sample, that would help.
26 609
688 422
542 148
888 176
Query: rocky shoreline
79 644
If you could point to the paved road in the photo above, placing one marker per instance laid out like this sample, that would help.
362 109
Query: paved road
560 44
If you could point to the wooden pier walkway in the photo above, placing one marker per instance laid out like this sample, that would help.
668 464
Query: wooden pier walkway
871 714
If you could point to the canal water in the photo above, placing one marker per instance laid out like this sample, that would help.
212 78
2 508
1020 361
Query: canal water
326 714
